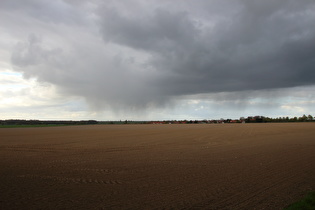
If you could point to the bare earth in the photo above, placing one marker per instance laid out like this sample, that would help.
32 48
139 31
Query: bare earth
230 166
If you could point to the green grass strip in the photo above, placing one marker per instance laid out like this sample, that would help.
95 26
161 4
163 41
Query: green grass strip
31 126
307 203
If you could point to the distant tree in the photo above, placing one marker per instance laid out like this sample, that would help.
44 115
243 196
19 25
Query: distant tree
310 117
303 118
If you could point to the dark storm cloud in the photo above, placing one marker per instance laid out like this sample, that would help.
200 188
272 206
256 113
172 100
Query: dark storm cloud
264 45
141 54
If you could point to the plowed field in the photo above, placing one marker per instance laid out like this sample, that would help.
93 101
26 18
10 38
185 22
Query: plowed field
228 166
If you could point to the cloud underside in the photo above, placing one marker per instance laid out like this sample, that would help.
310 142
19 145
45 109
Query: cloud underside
135 54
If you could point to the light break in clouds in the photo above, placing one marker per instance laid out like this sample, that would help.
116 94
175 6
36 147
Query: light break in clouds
143 60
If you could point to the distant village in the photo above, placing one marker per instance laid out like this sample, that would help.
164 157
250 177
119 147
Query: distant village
249 119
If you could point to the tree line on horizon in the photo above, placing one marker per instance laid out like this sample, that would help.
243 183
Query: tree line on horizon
249 119
304 118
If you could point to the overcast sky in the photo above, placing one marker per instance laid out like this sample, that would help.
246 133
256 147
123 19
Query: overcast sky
146 59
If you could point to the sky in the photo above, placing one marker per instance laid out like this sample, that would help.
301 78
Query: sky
156 59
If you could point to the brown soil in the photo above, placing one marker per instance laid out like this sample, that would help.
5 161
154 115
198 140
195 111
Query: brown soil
229 166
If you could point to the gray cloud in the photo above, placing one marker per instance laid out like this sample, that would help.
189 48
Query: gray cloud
266 45
139 54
